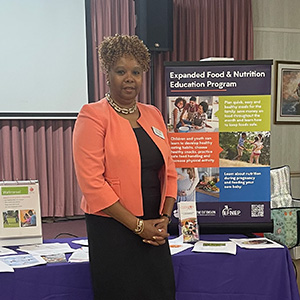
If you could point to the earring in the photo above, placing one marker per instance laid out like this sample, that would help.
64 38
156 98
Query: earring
108 82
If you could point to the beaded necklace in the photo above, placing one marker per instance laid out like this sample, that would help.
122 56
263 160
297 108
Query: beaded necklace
118 108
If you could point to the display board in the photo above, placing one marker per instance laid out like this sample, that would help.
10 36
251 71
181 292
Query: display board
219 132
20 213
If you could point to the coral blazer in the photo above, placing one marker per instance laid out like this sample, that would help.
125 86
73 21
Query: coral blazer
107 158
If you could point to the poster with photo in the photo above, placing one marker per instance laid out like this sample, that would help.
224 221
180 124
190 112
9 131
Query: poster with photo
20 213
219 132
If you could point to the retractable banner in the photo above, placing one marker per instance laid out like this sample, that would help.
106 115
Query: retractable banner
219 132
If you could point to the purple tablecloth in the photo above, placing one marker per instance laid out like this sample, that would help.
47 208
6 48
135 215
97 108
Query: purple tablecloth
266 274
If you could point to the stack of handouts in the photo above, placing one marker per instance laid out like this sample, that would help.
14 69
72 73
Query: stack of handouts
177 245
47 249
38 254
81 254
215 247
256 243
11 262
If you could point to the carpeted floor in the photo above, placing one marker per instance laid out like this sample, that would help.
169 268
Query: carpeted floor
63 228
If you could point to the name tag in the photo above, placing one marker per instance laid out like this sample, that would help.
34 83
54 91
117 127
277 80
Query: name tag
158 132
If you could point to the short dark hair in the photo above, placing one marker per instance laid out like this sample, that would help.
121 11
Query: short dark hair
178 100
204 106
193 98
114 47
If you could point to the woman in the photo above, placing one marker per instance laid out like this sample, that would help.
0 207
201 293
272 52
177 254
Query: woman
188 178
256 150
128 180
200 117
179 105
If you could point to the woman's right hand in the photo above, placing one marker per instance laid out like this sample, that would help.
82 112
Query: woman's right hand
181 193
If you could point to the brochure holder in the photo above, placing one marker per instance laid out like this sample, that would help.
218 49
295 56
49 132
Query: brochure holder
20 213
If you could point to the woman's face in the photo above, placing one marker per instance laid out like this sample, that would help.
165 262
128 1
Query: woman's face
180 104
200 109
126 78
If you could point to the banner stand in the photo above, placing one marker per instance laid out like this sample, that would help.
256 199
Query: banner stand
219 130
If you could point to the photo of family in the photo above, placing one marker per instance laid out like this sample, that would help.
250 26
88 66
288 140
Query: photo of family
193 114
244 149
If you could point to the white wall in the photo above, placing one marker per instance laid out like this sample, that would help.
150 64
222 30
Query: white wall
277 36
42 56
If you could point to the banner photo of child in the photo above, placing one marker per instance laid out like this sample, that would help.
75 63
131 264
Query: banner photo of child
28 218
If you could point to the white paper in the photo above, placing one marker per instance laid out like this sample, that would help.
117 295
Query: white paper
22 261
215 247
177 245
81 242
80 255
5 268
256 243
6 251
216 58
47 249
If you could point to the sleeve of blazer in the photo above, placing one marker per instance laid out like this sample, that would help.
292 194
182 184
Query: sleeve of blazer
88 153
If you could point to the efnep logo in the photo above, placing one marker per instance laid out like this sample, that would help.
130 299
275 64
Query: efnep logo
229 212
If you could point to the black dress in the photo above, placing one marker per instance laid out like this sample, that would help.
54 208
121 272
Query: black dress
122 266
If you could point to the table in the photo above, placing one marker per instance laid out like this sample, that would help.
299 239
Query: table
266 274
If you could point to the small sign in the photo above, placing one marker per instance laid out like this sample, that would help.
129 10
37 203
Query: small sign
20 214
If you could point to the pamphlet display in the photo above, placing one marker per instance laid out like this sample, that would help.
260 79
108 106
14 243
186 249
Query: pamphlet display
20 213
219 133
188 221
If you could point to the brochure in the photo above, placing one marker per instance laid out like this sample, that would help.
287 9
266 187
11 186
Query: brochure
256 243
215 247
81 242
5 268
55 258
6 251
22 261
47 249
188 221
177 245
80 255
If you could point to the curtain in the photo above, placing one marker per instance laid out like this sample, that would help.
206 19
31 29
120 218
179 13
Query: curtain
201 28
205 28
42 149
109 17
